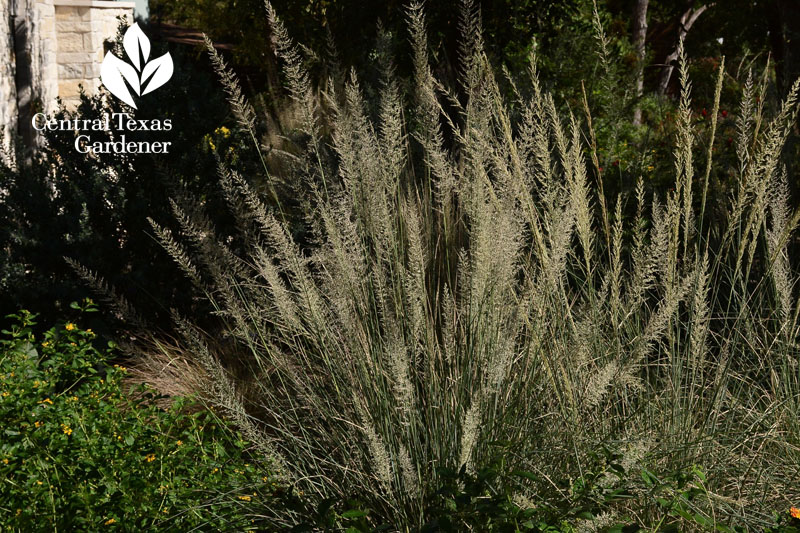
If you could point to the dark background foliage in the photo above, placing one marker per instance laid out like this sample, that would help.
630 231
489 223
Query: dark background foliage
94 210
65 204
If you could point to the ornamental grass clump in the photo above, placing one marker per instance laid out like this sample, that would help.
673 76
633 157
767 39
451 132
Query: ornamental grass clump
421 278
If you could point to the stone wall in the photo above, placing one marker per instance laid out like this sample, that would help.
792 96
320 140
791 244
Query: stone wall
49 48
8 89
82 27
34 53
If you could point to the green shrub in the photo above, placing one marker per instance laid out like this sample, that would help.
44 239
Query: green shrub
77 454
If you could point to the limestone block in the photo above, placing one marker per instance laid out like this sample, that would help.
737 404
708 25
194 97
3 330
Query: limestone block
47 26
70 42
91 70
71 71
76 57
107 23
69 89
69 25
67 13
97 26
90 41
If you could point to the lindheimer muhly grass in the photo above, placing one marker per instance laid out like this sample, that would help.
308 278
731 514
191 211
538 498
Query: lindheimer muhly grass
456 279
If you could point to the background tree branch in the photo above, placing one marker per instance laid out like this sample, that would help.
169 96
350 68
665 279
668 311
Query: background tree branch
687 21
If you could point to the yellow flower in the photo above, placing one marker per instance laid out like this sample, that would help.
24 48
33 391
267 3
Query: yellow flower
5 394
66 429
650 168
150 457
179 442
46 344
795 512
70 326
38 423
38 482
47 400
245 498
109 522
5 461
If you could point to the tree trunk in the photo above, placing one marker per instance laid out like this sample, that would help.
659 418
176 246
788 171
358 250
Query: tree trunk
687 20
639 37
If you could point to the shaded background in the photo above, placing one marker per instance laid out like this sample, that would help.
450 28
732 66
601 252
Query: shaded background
95 210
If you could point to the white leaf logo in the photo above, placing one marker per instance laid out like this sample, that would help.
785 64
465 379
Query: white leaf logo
114 72
156 73
117 75
134 42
